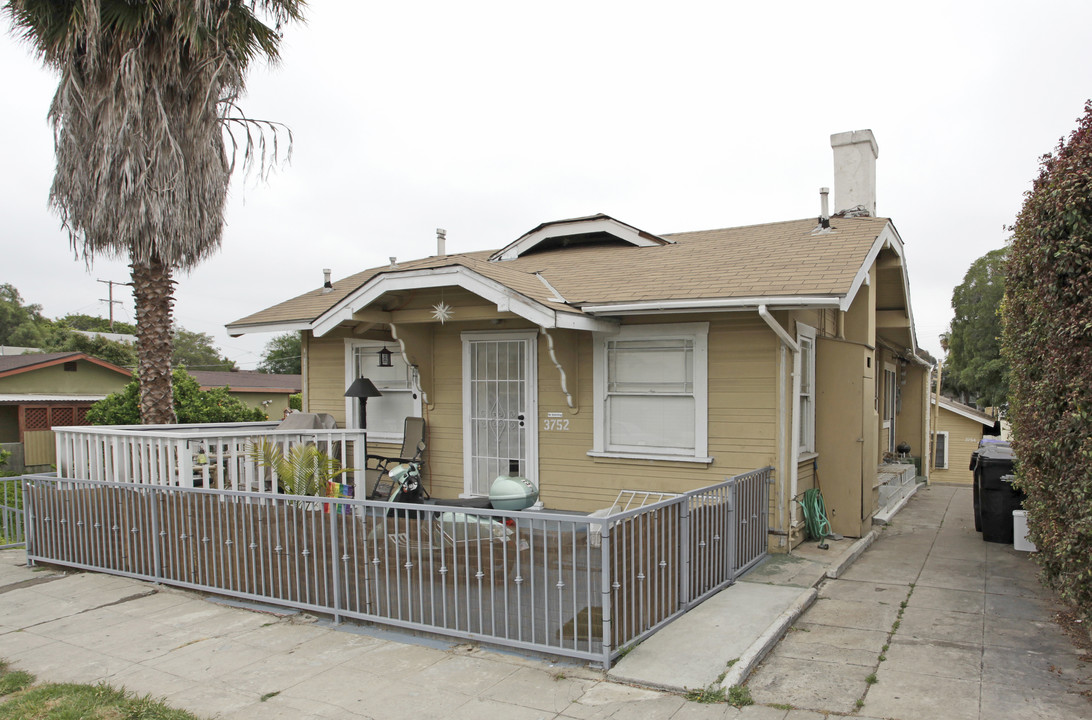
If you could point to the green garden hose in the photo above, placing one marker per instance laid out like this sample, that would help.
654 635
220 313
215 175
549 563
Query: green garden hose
815 515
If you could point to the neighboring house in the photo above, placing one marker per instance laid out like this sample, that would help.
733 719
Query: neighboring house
599 356
112 337
38 391
959 429
267 391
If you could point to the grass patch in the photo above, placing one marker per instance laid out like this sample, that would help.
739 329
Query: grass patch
872 679
269 695
860 703
782 706
26 701
711 694
739 696
12 681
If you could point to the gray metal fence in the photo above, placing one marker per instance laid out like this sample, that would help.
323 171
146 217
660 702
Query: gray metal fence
570 585
11 512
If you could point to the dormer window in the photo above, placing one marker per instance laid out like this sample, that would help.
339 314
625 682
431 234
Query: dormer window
595 229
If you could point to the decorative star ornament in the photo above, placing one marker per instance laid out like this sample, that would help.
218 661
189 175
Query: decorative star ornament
442 311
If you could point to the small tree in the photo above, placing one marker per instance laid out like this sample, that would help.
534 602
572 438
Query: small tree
191 405
196 351
21 324
1048 341
975 370
282 355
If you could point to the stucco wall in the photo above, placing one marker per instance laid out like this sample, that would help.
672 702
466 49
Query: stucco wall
88 379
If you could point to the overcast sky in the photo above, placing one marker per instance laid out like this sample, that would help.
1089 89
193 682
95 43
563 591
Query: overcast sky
488 118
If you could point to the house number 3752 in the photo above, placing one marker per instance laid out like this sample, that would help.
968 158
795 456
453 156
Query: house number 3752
555 424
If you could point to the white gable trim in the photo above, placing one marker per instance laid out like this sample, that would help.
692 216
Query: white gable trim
888 237
967 412
506 299
609 225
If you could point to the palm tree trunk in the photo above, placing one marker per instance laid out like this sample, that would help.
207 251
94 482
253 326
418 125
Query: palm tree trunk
153 290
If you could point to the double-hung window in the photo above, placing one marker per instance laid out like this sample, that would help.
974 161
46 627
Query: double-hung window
651 386
805 337
940 452
400 399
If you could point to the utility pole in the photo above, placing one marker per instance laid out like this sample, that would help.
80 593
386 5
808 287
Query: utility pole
111 301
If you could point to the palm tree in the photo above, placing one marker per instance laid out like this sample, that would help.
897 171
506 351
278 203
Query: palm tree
144 122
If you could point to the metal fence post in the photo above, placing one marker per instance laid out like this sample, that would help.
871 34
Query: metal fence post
28 519
157 560
335 560
606 584
685 578
733 529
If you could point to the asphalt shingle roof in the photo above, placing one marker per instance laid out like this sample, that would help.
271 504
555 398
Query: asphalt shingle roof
771 260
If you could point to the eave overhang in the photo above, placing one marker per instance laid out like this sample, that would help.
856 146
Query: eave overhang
505 298
686 305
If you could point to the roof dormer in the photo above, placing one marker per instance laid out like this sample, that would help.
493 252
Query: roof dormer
594 229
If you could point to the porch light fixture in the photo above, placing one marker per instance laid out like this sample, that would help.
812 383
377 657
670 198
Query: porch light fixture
384 357
363 388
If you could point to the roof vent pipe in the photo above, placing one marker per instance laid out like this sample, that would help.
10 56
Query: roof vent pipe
824 212
327 286
441 242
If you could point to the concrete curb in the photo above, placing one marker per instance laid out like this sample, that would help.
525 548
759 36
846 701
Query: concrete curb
850 556
765 642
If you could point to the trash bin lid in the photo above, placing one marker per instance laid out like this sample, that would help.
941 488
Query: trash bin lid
995 453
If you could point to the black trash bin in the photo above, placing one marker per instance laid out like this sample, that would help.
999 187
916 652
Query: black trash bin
997 497
976 493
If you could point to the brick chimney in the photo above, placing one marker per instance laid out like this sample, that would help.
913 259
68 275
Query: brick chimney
855 154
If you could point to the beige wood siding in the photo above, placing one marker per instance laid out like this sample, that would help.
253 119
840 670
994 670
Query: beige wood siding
963 437
742 419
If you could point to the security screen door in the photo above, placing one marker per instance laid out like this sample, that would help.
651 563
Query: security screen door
499 408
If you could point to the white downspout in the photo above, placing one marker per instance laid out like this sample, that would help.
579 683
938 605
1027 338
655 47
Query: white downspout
794 442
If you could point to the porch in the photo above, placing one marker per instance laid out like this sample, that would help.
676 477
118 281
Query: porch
135 502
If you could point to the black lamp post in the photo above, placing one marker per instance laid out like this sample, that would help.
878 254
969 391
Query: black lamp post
363 388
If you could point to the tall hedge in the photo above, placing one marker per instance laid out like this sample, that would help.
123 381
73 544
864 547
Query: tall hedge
1048 340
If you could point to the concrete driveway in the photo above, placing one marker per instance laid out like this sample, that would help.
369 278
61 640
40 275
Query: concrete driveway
931 623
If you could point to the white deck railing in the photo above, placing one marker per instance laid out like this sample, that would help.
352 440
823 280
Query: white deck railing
210 456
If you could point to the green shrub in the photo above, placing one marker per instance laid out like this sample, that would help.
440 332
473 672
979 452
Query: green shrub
191 405
1048 338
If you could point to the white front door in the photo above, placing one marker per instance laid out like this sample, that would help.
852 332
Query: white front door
889 410
500 407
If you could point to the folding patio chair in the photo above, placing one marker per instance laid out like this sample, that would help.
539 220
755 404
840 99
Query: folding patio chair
413 449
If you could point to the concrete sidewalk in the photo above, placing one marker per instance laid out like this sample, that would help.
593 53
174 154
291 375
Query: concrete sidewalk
975 641
220 660
931 622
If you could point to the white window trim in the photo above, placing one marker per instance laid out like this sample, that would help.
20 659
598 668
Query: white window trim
947 449
699 334
806 440
351 404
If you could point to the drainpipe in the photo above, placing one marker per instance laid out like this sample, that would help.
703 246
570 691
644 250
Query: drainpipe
794 441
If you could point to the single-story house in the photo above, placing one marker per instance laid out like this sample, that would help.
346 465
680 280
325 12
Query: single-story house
267 391
959 429
596 356
38 391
